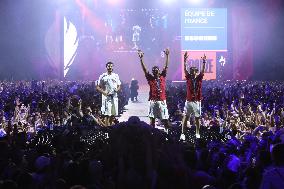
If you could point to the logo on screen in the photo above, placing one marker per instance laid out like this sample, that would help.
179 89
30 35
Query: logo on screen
195 60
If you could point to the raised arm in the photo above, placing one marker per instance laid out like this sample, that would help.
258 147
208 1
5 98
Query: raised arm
141 55
185 57
167 53
203 64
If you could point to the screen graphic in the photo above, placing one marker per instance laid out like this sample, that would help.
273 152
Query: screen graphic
204 31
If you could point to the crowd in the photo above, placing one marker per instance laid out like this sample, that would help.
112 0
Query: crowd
133 154
242 106
35 105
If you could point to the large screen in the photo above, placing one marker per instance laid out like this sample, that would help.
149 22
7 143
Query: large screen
204 31
99 36
93 37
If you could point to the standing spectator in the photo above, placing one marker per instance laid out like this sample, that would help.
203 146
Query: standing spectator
274 177
134 90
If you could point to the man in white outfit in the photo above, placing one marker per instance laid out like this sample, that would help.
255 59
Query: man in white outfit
109 84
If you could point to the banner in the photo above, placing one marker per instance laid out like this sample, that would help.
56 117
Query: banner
195 59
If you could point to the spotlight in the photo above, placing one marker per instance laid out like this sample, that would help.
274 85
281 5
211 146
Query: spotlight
195 2
167 2
114 2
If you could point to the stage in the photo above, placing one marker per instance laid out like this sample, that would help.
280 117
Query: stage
139 108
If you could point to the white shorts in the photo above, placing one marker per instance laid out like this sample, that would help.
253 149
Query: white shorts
158 109
192 108
109 106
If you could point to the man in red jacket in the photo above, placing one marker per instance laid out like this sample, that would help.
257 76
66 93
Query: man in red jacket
193 97
157 95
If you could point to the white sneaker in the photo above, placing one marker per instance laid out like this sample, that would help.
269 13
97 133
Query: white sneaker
182 137
197 135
